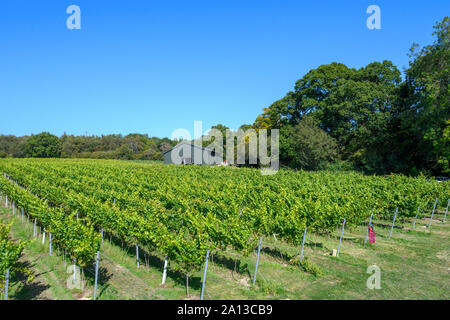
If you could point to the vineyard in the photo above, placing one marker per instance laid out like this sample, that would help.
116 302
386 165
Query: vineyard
180 212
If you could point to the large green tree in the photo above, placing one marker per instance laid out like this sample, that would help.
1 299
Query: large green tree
306 146
43 145
351 105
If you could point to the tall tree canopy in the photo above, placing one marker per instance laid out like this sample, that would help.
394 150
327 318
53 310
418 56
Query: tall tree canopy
43 145
307 146
427 107
381 123
352 106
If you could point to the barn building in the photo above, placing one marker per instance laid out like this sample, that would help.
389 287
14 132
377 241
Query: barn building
188 153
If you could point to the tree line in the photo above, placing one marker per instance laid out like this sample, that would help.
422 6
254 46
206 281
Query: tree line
114 146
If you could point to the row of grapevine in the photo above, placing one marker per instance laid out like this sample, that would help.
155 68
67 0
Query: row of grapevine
185 249
10 252
78 240
182 211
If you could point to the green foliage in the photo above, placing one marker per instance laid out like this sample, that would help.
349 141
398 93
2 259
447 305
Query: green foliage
428 79
43 145
114 146
151 154
182 211
124 152
309 266
275 115
267 286
340 165
351 106
307 146
78 240
381 124
165 146
10 253
13 146
443 145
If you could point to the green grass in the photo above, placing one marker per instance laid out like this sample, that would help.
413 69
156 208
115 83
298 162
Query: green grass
49 270
414 265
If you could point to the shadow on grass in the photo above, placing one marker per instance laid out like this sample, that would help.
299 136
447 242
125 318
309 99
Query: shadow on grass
179 277
314 244
103 275
277 254
231 264
42 273
388 226
28 290
345 238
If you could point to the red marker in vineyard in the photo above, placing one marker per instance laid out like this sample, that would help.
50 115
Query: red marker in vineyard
371 234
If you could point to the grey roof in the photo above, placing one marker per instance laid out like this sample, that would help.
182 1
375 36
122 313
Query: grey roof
194 145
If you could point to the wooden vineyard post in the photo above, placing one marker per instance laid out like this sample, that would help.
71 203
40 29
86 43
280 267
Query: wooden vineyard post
22 214
303 245
187 284
34 228
102 236
275 238
415 219
164 271
50 238
74 272
96 275
446 209
204 275
432 213
340 239
393 223
137 256
257 260
367 233
43 236
6 284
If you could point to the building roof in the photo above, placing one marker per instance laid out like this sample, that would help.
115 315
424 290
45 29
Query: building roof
194 145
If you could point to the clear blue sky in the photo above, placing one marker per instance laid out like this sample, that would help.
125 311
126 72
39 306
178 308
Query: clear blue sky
155 66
